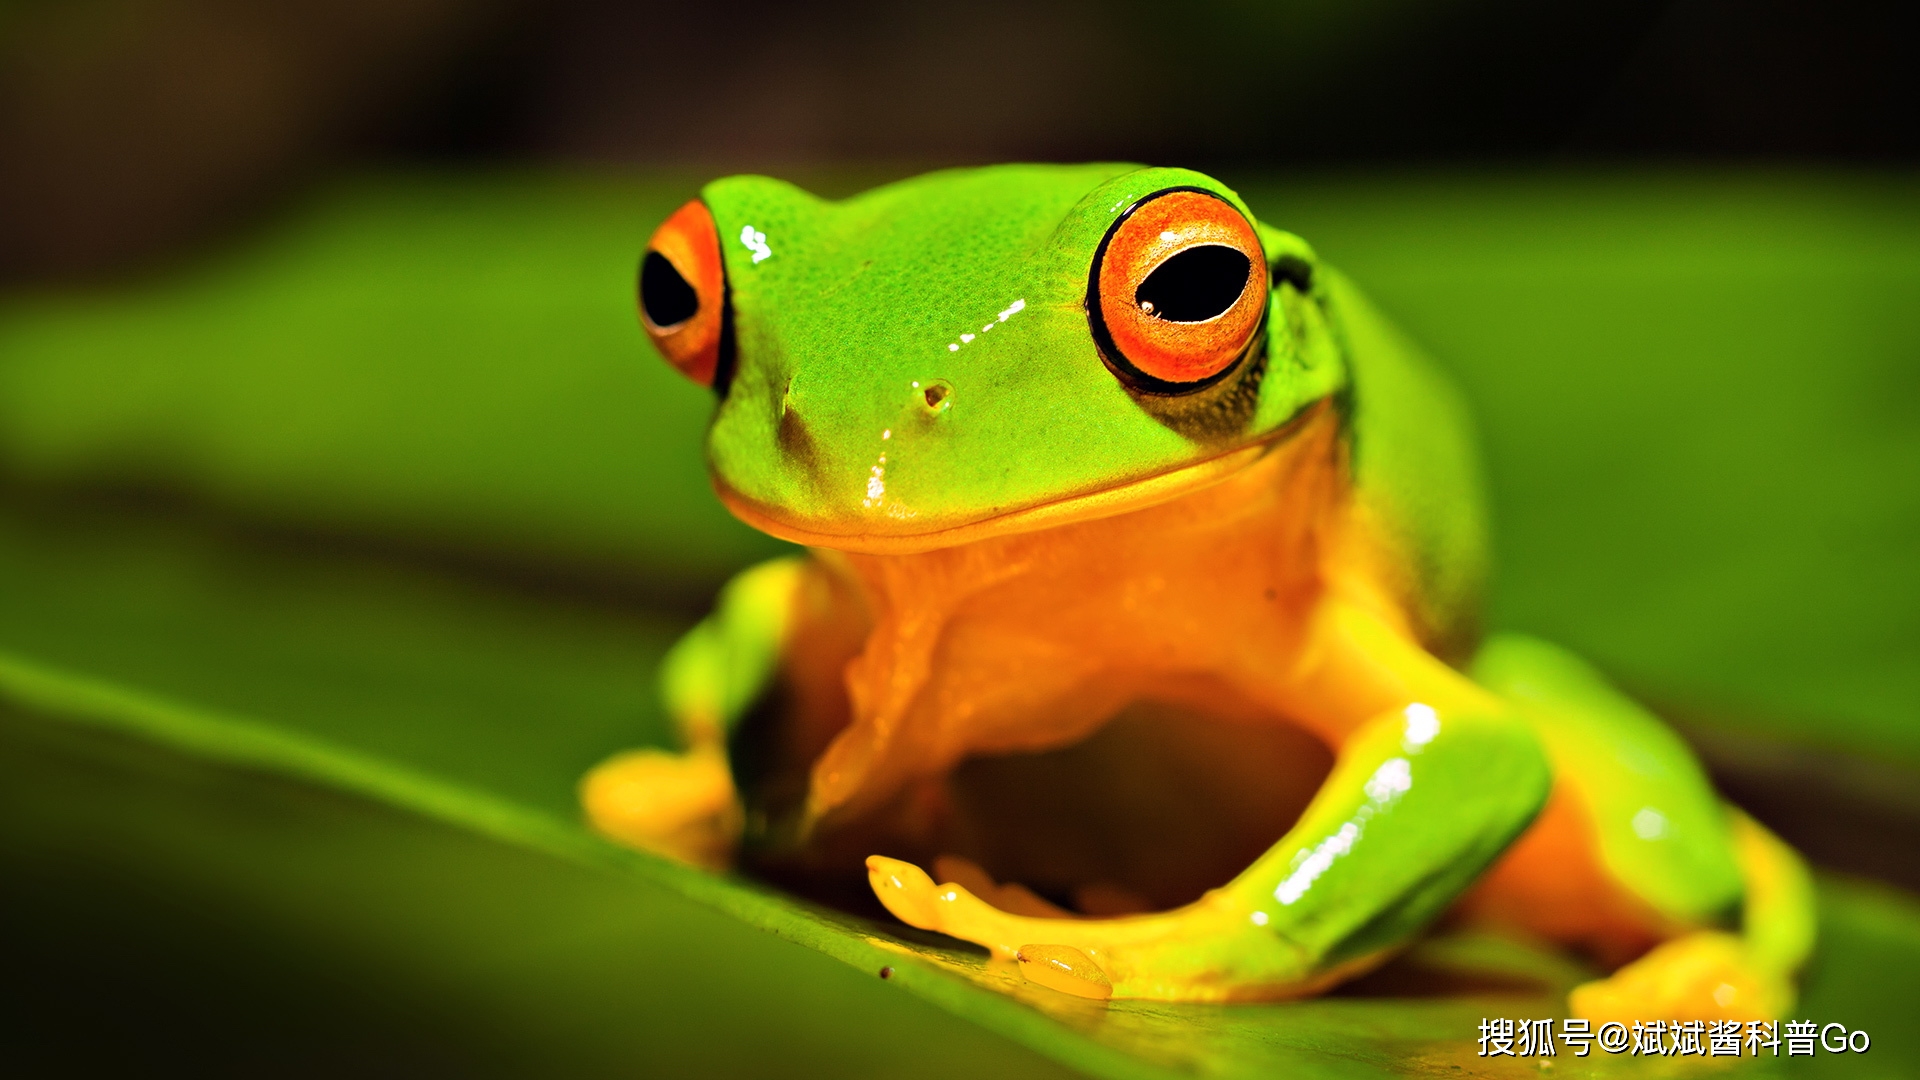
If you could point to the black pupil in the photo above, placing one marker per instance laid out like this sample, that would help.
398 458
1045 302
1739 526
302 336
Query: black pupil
664 295
1198 284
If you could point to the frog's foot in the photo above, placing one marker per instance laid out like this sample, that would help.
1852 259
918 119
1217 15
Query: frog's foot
1215 949
682 806
1703 976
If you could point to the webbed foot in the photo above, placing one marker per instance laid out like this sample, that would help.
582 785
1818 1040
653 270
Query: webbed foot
682 806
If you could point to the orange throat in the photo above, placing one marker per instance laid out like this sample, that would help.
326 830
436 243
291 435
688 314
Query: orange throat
1031 640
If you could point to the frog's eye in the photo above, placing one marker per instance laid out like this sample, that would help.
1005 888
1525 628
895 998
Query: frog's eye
1177 292
683 292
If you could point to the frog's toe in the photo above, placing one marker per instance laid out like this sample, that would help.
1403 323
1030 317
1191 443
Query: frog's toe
1210 950
1066 969
953 908
950 908
1011 897
1703 976
682 806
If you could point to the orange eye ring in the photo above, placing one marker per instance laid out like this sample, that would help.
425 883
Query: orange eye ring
682 292
1178 291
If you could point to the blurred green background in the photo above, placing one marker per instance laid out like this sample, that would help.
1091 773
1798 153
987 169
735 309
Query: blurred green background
344 511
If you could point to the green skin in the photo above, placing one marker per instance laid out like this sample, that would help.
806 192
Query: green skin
852 310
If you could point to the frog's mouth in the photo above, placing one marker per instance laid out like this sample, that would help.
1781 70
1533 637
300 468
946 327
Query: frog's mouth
1132 495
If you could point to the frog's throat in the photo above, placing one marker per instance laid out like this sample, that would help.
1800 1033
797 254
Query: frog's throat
1106 502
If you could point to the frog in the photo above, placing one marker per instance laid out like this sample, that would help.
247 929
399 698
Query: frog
1065 446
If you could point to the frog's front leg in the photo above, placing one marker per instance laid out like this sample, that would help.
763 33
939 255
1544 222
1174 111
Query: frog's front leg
684 805
1420 800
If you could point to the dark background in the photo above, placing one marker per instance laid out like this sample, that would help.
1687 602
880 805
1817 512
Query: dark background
129 128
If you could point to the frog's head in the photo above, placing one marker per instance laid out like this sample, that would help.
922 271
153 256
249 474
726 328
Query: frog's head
982 351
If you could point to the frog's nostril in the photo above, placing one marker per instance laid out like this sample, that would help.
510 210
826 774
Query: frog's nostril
937 394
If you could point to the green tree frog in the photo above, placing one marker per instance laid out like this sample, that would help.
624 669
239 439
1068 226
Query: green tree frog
1101 478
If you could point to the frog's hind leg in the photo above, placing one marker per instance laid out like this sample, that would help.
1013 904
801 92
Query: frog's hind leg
1712 975
1636 850
684 805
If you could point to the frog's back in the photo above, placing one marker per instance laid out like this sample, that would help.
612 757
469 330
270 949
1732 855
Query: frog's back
1416 472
